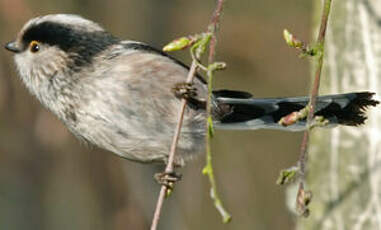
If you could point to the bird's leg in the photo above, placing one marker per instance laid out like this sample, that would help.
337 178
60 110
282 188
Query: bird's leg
168 179
188 92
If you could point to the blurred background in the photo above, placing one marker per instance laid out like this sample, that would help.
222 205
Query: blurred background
49 180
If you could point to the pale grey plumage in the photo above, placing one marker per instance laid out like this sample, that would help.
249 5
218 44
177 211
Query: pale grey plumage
116 104
118 94
135 117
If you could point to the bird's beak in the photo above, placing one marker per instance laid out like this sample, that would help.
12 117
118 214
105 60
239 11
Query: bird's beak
12 46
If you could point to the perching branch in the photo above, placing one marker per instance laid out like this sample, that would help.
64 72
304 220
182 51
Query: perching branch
303 199
170 165
344 166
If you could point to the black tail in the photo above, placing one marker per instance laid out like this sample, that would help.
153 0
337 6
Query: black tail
238 110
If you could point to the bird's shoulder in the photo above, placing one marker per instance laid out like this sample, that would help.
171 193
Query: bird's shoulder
148 60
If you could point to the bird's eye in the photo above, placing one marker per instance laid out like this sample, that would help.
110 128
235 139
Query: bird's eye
34 46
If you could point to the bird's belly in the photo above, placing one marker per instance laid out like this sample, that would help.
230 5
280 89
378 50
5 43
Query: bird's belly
142 140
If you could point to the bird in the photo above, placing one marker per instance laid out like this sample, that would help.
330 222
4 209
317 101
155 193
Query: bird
123 96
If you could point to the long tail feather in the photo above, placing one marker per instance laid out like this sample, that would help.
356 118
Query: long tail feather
238 110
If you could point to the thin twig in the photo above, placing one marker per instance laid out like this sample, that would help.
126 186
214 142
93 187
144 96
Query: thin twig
315 90
208 170
170 164
191 74
316 84
213 29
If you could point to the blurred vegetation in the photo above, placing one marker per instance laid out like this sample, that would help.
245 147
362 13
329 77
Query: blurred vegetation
49 180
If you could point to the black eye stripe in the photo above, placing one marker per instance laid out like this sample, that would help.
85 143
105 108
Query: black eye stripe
49 33
77 43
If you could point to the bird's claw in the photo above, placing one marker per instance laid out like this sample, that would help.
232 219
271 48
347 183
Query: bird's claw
188 92
184 90
168 179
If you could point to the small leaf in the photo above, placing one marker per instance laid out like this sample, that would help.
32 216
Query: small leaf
289 119
178 44
294 117
303 199
287 175
217 66
291 40
287 37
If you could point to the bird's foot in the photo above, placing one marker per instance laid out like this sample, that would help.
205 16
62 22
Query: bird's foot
184 90
168 179
188 92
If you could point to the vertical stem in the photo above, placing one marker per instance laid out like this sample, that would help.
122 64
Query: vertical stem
208 170
345 174
211 28
315 88
303 197
171 158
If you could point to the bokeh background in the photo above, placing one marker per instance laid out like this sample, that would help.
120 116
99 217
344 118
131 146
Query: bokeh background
49 180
